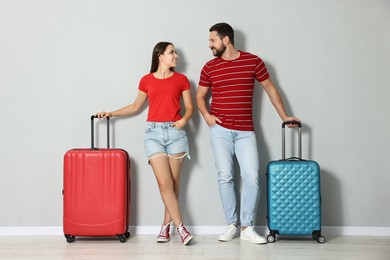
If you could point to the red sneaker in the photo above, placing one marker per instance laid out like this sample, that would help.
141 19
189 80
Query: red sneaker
164 233
185 236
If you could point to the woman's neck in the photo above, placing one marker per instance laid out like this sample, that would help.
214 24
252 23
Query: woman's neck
163 73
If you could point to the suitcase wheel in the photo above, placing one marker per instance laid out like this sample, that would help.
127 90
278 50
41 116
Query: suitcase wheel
316 235
122 238
127 234
70 238
271 238
321 239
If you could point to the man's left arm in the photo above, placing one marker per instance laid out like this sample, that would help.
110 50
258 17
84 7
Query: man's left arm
277 102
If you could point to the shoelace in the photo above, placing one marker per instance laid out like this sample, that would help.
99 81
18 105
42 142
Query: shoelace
230 228
251 232
165 229
183 232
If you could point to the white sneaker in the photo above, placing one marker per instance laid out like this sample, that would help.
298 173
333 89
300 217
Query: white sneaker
229 234
249 234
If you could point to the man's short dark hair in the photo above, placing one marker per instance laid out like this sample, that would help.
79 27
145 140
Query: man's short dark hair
223 29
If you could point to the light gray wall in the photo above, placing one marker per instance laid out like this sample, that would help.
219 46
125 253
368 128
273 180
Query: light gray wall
61 61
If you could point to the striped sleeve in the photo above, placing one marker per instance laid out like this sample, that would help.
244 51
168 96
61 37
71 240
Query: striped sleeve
261 70
205 77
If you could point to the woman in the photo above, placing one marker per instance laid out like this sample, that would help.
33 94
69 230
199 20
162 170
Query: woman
165 141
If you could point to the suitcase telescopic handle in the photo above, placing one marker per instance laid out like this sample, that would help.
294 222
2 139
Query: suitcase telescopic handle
93 132
299 139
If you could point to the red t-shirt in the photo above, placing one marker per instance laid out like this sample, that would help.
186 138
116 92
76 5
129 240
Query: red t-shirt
232 83
164 96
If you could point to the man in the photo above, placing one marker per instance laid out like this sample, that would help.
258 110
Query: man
230 77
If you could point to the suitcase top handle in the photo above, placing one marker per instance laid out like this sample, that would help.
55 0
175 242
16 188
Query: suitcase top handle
299 139
291 122
93 133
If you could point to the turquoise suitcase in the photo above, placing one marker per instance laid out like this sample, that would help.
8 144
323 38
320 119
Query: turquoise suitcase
293 195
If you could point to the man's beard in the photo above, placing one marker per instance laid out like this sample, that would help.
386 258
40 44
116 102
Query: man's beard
218 53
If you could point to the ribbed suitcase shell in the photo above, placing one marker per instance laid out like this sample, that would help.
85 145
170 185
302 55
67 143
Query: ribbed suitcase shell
96 192
294 195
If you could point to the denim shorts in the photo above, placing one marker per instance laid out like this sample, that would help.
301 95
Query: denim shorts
162 137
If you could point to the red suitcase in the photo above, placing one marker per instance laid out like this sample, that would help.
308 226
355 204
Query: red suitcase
96 191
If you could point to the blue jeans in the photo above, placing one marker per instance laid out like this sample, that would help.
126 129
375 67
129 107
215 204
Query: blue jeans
243 144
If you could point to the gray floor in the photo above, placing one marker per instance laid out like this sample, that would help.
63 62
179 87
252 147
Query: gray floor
202 247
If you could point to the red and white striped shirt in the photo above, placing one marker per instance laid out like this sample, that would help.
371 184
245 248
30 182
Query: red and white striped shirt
232 83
